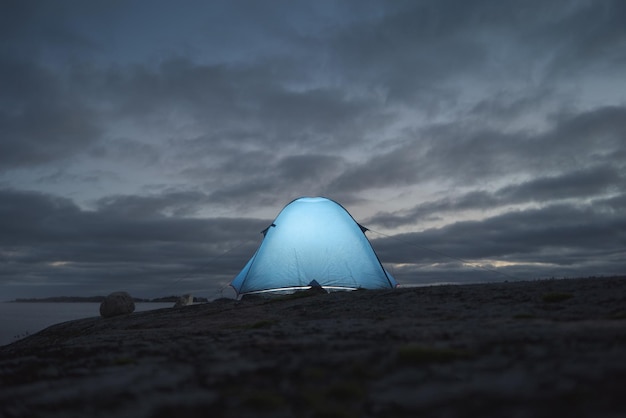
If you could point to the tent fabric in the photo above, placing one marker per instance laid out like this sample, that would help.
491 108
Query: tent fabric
313 239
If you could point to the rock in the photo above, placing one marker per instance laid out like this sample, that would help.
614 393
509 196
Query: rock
316 288
486 350
184 300
256 297
117 303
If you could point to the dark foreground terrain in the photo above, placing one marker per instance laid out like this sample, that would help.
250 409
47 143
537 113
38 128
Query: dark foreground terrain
520 349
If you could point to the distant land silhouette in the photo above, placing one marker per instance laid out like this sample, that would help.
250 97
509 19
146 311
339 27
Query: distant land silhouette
99 299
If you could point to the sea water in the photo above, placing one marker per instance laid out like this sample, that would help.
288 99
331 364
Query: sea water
19 320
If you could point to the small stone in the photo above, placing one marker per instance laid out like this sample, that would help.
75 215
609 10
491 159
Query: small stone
117 303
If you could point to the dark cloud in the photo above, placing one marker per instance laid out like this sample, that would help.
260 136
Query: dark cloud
591 34
465 153
41 119
129 131
279 180
240 102
470 154
127 241
174 203
580 184
416 48
37 29
557 240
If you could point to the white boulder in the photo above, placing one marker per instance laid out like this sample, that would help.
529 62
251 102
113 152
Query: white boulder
184 300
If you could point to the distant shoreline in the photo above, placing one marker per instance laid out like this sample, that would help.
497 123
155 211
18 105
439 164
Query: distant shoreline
98 299
174 299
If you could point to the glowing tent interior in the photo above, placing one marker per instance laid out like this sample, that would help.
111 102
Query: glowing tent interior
313 241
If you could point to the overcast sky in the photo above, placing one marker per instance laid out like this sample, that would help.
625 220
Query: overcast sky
145 144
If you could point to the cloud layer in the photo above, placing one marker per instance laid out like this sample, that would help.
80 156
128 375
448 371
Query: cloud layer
138 142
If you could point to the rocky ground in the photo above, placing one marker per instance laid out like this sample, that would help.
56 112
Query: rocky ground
520 349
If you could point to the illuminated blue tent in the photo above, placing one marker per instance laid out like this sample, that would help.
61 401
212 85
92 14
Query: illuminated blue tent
313 241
